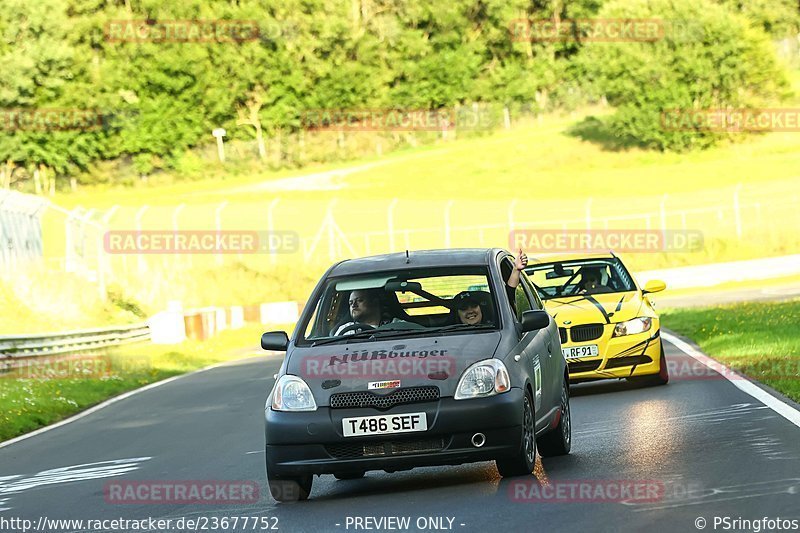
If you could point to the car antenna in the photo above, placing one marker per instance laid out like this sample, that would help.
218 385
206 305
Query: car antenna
408 259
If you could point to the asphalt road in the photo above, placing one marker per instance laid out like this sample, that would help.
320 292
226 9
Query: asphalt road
709 449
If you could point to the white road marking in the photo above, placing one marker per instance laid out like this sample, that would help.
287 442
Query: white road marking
106 403
724 494
66 474
748 387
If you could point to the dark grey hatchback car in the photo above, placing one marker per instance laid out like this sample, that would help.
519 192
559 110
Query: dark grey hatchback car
416 359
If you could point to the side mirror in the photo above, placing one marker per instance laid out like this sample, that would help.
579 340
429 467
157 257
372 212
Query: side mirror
654 285
275 340
535 319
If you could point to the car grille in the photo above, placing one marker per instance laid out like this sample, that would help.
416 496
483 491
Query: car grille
616 362
583 366
589 332
562 332
355 450
346 400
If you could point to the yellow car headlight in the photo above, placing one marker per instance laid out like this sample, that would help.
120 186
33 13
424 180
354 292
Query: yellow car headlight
634 326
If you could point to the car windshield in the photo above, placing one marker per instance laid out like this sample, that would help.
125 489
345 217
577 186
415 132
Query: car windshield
580 277
402 303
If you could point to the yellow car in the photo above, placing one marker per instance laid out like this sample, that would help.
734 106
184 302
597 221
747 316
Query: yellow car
608 325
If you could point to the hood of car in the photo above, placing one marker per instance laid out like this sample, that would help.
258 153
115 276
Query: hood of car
601 308
383 366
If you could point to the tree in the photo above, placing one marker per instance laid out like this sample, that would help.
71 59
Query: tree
723 63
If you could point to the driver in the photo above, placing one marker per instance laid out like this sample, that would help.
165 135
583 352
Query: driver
590 281
365 308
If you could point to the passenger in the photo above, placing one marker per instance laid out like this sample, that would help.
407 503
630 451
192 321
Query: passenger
473 307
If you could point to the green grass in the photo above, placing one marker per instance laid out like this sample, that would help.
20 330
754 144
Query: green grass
533 160
761 340
32 402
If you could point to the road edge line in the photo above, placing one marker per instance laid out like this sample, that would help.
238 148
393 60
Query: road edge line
745 385
111 401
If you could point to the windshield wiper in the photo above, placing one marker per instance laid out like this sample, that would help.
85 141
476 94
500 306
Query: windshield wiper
390 333
457 327
372 333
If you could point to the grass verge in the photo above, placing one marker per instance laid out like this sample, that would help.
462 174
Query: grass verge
760 340
33 401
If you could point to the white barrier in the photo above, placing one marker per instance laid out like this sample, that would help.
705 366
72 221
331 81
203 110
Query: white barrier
719 273
279 313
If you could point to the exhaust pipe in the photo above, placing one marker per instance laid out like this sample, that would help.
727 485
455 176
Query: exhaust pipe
478 440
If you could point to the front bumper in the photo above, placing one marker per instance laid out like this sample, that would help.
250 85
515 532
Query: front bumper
312 442
619 357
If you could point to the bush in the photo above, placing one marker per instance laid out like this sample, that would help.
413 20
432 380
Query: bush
708 58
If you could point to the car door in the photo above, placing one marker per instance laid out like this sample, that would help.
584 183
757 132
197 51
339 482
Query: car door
532 345
551 359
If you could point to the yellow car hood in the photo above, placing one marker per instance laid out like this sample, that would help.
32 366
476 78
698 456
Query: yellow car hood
595 308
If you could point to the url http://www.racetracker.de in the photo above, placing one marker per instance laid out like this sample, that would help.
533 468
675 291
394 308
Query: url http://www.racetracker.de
197 523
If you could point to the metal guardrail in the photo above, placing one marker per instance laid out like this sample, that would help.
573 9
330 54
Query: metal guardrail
18 346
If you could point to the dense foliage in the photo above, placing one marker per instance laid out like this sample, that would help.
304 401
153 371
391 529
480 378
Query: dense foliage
153 100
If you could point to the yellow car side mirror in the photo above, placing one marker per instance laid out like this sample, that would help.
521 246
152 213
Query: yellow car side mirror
654 285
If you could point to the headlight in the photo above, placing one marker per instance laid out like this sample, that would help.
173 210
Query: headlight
632 327
292 394
484 378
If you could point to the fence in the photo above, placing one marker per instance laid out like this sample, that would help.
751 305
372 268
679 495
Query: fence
20 229
760 219
16 346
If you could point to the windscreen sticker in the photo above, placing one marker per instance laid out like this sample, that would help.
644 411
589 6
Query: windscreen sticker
365 355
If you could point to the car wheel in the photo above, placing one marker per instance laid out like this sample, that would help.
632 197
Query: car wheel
522 462
558 441
350 475
290 489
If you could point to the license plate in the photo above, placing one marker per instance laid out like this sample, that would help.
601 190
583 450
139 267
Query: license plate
587 350
383 424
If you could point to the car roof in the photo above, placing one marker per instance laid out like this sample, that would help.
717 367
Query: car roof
416 259
562 257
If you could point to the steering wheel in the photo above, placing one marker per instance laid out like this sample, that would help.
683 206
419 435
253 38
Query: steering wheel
356 326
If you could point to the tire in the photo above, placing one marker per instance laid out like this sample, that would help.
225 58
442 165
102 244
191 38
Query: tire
521 463
654 380
558 441
349 475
